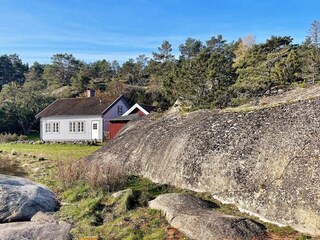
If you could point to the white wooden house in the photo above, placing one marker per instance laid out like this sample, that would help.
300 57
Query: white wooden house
77 119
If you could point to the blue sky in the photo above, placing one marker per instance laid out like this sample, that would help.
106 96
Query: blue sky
123 29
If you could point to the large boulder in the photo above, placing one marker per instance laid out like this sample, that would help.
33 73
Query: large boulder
193 217
264 161
21 198
42 226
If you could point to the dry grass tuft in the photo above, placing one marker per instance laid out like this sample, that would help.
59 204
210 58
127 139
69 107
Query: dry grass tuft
106 176
7 162
9 137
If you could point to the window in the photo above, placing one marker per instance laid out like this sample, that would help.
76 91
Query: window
120 110
55 127
80 127
72 127
95 126
48 127
52 127
76 127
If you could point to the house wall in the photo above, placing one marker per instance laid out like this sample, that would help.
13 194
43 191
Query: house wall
113 113
64 133
137 110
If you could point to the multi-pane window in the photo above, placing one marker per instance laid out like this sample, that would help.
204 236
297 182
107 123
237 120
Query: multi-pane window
48 127
76 127
72 127
95 126
120 110
52 127
80 127
55 127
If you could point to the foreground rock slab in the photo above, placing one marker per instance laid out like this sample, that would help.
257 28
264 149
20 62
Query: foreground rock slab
193 217
42 226
21 198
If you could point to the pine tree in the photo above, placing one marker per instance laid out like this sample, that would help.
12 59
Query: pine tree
164 54
190 49
313 53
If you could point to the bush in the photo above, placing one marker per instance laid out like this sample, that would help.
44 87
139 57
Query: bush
11 137
109 176
70 172
8 137
106 176
234 102
7 162
22 138
300 85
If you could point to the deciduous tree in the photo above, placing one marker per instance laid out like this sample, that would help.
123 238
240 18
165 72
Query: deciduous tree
23 102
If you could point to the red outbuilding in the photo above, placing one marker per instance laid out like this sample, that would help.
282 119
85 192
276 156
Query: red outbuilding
117 123
136 111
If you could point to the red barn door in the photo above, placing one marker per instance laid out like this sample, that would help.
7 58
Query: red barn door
114 128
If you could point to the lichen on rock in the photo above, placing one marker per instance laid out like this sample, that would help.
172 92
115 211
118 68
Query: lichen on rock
264 161
194 217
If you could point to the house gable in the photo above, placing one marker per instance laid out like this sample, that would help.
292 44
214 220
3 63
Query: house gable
136 108
115 110
119 99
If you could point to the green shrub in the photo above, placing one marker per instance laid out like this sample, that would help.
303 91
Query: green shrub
300 85
304 237
80 204
76 193
132 236
22 138
234 102
156 235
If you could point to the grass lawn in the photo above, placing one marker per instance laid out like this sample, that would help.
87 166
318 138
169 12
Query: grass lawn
51 151
39 161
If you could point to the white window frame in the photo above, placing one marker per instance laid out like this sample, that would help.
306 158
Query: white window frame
72 127
77 127
80 127
55 127
52 127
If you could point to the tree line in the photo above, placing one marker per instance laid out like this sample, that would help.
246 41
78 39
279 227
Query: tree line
211 74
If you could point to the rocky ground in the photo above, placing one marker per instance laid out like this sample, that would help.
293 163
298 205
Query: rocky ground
23 200
42 226
195 218
265 161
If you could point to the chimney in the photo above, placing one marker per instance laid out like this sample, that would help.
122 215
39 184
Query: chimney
90 92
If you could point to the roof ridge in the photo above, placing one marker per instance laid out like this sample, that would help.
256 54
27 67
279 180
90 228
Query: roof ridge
79 106
88 97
